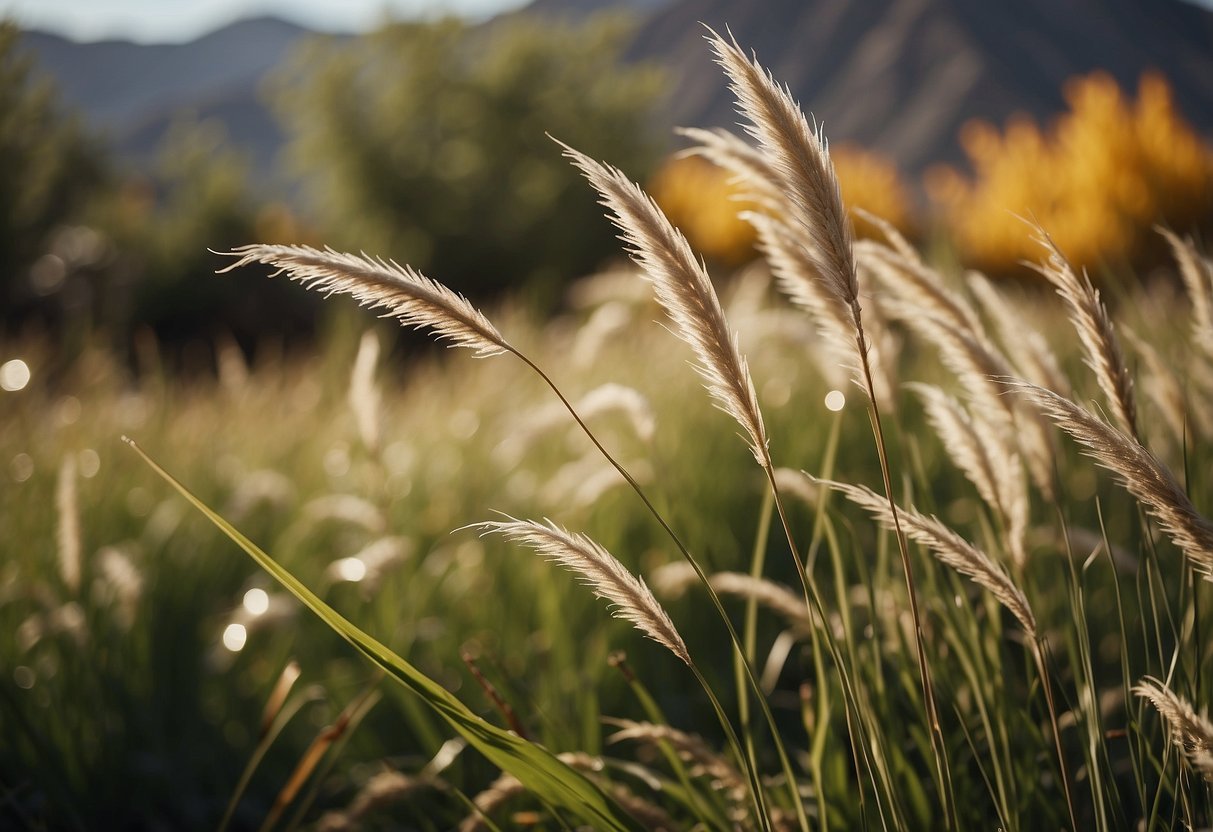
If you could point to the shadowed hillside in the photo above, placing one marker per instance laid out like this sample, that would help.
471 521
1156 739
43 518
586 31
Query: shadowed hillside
902 76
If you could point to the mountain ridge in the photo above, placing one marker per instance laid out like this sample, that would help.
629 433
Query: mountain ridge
897 76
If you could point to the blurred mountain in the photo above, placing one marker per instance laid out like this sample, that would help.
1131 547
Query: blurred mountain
902 76
133 92
899 76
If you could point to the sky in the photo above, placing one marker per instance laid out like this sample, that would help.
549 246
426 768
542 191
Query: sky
171 21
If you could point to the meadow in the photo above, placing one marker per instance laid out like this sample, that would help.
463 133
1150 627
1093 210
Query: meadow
935 558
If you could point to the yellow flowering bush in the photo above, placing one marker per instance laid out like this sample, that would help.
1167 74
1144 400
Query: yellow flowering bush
1098 179
704 200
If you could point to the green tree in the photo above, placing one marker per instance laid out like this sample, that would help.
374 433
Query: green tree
50 170
164 226
428 142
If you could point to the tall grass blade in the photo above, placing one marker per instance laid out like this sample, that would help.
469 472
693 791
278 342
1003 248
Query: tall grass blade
534 766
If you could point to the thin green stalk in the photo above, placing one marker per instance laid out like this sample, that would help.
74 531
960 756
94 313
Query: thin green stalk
756 791
330 759
655 715
284 716
750 627
938 744
738 646
1039 653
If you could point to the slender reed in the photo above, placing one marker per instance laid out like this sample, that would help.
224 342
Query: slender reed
1190 732
1145 477
973 563
632 601
418 301
1095 330
801 159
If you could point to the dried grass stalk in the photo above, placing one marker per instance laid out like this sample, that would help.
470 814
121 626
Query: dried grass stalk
689 747
997 475
1197 274
800 158
407 295
684 290
1145 477
363 396
750 169
67 535
1095 330
919 285
1191 732
602 572
1026 348
950 548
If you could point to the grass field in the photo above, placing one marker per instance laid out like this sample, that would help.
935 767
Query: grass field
1044 594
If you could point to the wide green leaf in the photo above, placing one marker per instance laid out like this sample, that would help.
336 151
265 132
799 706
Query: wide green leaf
535 767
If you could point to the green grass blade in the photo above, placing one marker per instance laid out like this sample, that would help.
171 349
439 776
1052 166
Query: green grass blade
535 767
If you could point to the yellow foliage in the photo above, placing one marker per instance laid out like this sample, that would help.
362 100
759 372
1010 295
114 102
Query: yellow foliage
1098 180
704 201
872 182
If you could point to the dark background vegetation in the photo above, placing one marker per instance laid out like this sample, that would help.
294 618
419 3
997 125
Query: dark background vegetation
427 142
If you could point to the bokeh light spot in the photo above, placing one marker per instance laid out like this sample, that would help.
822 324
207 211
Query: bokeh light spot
234 637
835 400
14 375
351 569
256 601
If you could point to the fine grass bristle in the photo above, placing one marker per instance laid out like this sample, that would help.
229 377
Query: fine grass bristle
801 159
950 548
1191 732
602 572
1095 330
755 178
684 290
1145 477
404 293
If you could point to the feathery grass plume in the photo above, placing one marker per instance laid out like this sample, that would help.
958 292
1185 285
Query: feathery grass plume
800 158
776 597
684 290
749 167
379 792
67 535
1025 346
949 547
672 580
1197 274
997 475
344 508
689 747
791 481
122 581
797 277
363 396
982 369
893 237
918 285
507 786
601 571
1141 473
1163 389
1191 732
1095 331
611 397
407 295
